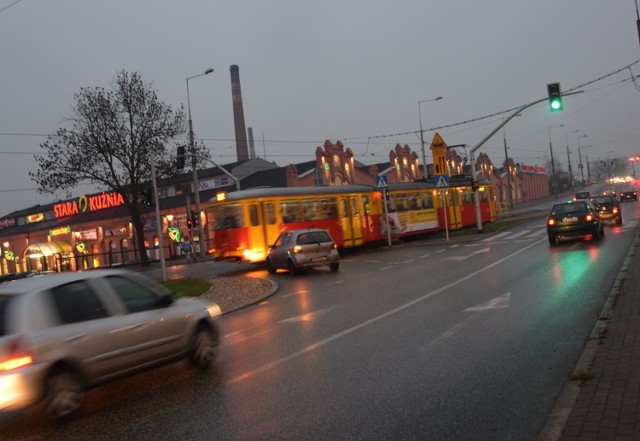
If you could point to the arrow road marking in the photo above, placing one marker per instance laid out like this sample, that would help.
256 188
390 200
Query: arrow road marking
495 303
459 258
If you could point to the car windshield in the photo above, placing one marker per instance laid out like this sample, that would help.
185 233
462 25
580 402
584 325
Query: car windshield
568 208
313 237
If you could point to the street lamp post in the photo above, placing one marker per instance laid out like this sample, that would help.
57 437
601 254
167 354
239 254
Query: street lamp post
566 138
196 185
424 157
580 157
553 166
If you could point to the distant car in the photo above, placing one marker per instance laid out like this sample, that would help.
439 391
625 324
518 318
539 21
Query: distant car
628 194
64 333
297 249
574 219
609 191
582 195
608 208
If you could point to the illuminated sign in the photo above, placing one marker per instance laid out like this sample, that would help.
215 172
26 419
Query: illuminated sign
37 217
8 222
59 231
81 247
88 203
9 255
174 234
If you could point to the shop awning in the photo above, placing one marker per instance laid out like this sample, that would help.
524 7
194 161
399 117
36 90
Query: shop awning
36 250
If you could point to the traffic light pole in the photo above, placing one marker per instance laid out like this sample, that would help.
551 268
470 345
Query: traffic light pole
474 174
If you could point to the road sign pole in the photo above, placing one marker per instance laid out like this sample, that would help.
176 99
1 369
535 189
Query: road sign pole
386 216
444 204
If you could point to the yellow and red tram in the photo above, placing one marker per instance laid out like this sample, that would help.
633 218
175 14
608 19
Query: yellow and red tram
245 222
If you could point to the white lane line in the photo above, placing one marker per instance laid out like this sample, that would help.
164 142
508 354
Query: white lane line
518 234
389 313
495 236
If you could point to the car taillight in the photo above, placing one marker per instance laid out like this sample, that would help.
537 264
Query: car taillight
17 357
334 246
588 217
297 249
551 222
615 210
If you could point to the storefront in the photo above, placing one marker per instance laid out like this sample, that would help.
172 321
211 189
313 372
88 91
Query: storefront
49 256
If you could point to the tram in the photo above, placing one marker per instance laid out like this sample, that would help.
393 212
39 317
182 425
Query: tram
245 222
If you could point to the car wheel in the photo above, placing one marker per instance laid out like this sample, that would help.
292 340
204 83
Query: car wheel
64 393
293 270
335 266
619 221
270 268
553 241
203 347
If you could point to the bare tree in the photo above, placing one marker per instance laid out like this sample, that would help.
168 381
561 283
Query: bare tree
112 137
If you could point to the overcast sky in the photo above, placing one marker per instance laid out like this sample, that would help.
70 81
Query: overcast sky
337 70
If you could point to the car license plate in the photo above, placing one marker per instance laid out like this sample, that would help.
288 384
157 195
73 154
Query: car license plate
570 219
319 259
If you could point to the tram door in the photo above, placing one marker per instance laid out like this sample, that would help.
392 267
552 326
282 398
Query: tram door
350 217
454 201
264 229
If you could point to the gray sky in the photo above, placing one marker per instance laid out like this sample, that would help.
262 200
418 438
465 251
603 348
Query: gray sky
350 70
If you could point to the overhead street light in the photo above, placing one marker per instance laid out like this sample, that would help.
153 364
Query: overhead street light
553 166
566 138
580 158
196 185
424 157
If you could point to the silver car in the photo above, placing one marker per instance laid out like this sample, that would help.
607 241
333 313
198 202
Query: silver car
298 249
65 333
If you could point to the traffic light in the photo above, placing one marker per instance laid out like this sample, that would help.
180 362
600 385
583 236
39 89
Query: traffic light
180 158
194 219
147 197
189 223
555 97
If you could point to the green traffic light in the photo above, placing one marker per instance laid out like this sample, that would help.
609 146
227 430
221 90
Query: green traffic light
556 105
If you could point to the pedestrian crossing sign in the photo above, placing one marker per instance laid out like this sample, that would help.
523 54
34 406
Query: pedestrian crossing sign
442 181
381 182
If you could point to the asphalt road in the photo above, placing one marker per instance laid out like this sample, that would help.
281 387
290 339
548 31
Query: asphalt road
470 341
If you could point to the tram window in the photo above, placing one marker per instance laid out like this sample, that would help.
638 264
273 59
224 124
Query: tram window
253 215
367 205
427 201
328 209
227 216
354 207
343 208
414 202
271 214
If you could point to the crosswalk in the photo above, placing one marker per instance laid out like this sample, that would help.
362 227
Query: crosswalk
524 235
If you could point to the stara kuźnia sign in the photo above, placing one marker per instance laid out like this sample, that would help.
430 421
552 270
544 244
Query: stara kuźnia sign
84 204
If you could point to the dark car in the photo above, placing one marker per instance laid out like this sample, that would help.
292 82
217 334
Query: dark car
574 219
628 194
608 207
582 195
297 249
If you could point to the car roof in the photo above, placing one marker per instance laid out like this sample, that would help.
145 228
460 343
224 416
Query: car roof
306 230
40 283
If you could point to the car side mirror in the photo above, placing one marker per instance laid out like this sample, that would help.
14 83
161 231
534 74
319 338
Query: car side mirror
165 301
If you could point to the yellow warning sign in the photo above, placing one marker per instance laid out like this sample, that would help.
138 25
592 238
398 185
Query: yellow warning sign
439 150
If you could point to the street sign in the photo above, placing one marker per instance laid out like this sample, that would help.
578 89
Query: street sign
442 181
439 150
381 182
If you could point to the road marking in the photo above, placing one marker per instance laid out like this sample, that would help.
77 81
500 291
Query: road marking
307 317
423 256
460 258
519 233
495 236
364 324
387 267
495 303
